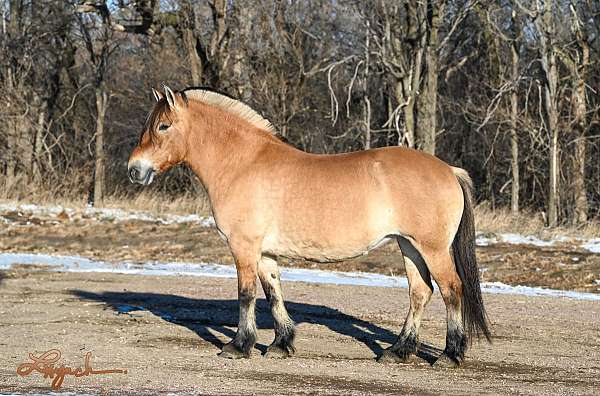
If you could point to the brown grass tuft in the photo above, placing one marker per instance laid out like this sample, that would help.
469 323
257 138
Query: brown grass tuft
501 220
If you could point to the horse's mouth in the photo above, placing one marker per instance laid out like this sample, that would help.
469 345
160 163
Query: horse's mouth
149 178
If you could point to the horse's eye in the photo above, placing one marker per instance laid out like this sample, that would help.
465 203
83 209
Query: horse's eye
163 127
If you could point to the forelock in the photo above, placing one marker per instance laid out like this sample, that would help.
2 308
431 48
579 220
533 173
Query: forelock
161 111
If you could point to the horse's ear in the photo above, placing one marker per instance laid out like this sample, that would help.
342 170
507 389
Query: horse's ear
171 98
157 95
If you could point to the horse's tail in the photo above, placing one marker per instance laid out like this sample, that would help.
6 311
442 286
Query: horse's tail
463 248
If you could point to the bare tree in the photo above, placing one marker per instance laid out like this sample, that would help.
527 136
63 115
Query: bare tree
544 19
514 110
509 31
408 38
505 88
577 61
98 36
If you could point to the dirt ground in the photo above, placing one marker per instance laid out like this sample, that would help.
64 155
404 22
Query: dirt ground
562 267
167 331
167 335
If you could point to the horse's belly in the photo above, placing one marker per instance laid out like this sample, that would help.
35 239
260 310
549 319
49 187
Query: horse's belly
319 250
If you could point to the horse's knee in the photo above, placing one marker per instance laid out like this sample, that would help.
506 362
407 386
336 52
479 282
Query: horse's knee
451 292
247 301
419 297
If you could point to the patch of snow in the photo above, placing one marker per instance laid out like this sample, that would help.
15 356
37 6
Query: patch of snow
81 264
106 214
502 288
592 245
487 239
517 239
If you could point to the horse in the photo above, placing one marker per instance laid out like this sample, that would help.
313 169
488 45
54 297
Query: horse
270 200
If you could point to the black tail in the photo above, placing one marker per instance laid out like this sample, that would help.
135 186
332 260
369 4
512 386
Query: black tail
463 248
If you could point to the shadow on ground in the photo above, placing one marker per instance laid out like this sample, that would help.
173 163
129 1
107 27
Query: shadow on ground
204 316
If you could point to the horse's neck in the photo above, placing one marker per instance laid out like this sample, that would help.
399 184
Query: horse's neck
218 156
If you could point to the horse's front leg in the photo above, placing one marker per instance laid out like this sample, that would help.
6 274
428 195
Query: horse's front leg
246 262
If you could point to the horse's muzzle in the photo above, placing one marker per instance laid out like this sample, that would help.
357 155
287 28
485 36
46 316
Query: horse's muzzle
141 172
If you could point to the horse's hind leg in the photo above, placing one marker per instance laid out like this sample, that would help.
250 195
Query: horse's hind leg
283 345
420 290
444 273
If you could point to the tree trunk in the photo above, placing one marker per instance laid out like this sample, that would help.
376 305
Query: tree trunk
579 190
514 138
408 137
246 18
553 131
579 72
196 68
219 9
40 130
100 172
425 132
189 41
367 120
367 102
427 105
547 32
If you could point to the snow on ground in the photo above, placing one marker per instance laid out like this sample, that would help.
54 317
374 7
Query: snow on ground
592 245
490 239
81 264
106 214
487 239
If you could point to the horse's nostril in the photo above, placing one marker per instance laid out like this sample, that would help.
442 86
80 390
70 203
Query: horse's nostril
133 173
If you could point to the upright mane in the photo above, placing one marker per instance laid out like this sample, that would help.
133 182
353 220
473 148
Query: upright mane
229 105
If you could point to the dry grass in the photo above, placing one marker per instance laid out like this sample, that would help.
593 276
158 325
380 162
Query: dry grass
69 193
151 202
159 203
528 223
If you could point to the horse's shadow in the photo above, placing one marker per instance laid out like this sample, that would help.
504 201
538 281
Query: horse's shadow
205 316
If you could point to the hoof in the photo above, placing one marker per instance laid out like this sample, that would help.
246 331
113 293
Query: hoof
279 351
444 361
389 356
230 351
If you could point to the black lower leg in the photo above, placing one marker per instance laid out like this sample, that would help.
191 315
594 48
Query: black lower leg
284 327
456 344
406 345
245 338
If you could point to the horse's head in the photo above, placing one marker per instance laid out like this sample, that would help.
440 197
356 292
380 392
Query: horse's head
163 142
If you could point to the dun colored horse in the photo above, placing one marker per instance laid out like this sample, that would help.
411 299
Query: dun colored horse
271 200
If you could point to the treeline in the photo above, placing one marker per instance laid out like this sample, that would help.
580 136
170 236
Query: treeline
507 89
